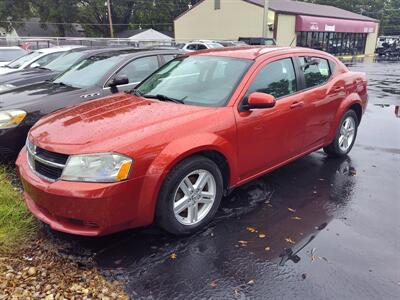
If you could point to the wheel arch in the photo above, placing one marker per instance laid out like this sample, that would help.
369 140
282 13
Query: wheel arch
211 146
353 102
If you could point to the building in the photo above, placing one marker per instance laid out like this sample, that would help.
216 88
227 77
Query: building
146 37
291 23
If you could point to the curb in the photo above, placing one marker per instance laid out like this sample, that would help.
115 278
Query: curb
346 57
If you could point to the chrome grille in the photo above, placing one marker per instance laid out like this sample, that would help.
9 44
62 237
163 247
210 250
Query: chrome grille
46 164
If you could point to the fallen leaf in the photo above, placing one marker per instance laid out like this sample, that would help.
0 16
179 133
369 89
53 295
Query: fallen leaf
261 235
296 218
324 258
213 284
304 276
267 248
243 243
251 282
173 256
290 241
291 210
251 229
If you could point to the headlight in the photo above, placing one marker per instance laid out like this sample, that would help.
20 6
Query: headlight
11 118
6 87
105 167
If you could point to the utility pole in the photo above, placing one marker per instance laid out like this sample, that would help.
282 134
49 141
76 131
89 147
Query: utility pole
265 19
110 18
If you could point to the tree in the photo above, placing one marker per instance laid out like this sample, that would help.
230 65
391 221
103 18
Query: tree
13 12
61 13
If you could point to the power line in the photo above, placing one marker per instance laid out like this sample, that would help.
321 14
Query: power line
78 23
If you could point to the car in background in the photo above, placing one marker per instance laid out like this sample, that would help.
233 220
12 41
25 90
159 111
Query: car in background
35 59
8 54
258 41
51 70
200 45
96 76
198 127
232 43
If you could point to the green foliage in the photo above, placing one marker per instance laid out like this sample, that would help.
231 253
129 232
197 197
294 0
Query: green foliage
16 223
12 12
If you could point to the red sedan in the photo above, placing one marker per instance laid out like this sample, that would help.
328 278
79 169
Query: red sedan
199 126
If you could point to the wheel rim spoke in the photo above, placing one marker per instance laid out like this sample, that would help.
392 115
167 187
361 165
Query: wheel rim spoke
201 181
181 204
193 213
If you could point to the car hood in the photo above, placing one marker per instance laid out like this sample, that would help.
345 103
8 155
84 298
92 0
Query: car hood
104 121
25 96
25 75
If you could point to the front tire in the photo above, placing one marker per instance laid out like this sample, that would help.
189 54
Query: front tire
345 136
190 196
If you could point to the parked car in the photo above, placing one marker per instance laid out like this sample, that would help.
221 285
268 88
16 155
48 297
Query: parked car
8 54
258 41
35 59
96 76
51 70
196 128
232 43
200 45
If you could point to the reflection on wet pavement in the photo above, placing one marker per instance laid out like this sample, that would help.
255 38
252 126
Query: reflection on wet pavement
318 228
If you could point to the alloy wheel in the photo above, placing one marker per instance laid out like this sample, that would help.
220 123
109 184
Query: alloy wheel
194 197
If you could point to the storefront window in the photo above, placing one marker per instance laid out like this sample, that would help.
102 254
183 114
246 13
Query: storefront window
336 43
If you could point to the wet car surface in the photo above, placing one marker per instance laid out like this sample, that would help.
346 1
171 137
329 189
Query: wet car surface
318 228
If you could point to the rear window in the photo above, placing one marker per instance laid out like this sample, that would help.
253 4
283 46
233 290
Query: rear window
10 54
316 70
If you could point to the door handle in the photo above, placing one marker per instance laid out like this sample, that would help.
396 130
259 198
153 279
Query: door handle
297 104
338 89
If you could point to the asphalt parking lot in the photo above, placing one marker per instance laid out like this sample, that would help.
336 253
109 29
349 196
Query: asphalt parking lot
318 228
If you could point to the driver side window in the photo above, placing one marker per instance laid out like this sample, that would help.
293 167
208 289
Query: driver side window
276 78
139 69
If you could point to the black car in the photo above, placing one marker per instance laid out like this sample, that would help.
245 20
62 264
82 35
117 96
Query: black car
51 70
257 41
96 76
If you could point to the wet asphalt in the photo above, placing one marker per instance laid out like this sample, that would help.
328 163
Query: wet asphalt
318 228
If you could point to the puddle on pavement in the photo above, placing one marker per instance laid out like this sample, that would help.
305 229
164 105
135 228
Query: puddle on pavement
269 220
396 108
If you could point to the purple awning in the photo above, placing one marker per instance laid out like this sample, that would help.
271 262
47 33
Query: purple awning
309 23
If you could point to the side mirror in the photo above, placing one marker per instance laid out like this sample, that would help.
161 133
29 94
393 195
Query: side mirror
34 65
118 80
260 100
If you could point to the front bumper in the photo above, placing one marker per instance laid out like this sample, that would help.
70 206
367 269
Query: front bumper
89 209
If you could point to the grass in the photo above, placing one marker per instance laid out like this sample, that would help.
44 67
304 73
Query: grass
16 222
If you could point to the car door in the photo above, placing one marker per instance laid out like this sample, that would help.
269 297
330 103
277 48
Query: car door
268 137
136 70
320 101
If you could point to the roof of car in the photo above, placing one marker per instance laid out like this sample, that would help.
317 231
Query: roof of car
251 52
57 49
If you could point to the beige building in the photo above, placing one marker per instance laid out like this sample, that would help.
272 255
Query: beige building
290 23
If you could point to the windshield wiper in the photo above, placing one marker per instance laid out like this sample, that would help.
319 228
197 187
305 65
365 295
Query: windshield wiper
136 92
62 84
165 98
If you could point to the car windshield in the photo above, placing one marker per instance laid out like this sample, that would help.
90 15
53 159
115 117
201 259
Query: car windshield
24 59
197 80
89 71
63 62
10 54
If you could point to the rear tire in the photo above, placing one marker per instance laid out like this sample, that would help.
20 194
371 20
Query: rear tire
190 196
345 137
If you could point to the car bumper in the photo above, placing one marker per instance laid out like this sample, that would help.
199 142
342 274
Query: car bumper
89 209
